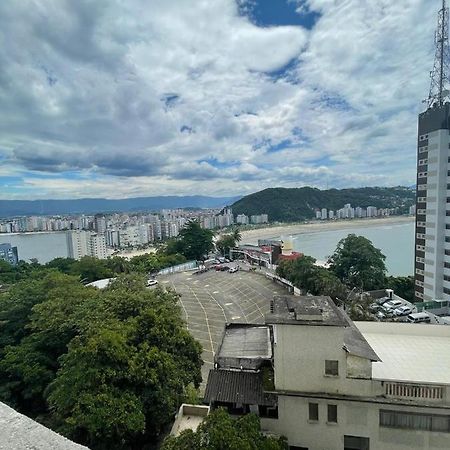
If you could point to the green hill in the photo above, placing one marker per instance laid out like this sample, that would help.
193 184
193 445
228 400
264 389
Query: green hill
293 204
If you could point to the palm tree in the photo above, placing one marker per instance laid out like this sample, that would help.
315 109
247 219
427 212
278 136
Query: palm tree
237 235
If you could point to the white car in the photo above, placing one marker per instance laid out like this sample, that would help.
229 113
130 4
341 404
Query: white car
152 283
403 311
392 304
233 269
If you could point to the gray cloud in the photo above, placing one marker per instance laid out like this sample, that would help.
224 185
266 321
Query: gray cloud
144 90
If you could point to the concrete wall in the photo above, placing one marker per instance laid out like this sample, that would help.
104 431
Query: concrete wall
354 419
300 352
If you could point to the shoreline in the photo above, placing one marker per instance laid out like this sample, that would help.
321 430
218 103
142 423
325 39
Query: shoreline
252 236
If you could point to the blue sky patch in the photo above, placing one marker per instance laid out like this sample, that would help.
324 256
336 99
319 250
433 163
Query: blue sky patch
266 13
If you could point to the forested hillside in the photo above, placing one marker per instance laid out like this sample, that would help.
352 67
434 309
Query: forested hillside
292 204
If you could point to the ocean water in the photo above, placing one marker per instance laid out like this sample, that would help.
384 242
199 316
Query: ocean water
395 241
42 246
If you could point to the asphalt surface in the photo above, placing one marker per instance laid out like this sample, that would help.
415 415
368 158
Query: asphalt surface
211 299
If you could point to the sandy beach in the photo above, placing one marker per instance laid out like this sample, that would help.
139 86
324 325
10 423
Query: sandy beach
130 254
252 236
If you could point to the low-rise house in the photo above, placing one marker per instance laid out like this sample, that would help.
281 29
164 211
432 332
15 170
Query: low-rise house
325 382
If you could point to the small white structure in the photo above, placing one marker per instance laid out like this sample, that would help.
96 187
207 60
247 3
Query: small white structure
101 284
189 417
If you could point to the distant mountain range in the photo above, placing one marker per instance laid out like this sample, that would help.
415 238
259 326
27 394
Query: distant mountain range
292 204
10 208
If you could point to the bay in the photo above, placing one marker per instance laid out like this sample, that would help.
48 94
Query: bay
395 241
42 246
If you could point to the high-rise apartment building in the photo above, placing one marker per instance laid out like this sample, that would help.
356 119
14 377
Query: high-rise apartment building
432 233
9 254
86 243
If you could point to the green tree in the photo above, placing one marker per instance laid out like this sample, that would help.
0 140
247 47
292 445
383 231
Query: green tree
402 286
63 265
194 242
220 431
301 272
357 263
312 279
91 269
108 368
224 243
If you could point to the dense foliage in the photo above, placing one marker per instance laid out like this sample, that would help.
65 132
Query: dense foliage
107 368
402 286
228 241
219 431
312 279
357 263
193 242
292 204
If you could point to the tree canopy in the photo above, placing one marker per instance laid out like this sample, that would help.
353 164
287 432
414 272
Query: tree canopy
107 368
219 431
357 263
193 242
312 279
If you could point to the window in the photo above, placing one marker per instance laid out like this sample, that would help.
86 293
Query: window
415 421
332 414
332 368
313 412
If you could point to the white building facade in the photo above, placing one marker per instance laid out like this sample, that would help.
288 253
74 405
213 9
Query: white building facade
341 385
432 231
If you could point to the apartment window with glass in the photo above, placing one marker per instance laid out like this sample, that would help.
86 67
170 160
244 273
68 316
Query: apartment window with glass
313 412
331 368
415 421
332 414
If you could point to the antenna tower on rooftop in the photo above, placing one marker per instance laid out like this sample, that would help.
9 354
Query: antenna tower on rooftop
440 74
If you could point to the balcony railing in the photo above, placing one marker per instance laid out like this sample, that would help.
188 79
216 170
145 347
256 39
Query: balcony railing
413 391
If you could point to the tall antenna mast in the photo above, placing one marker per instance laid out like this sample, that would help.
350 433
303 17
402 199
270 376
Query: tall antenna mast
441 69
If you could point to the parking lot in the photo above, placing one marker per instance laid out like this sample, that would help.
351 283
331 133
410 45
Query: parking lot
211 299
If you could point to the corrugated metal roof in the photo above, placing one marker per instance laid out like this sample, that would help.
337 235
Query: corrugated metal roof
230 386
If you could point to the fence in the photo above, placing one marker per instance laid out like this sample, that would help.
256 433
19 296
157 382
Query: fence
190 265
283 282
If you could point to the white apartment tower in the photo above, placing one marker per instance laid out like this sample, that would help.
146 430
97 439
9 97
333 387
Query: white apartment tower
84 243
432 233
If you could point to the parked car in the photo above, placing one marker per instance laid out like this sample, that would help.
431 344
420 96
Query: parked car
384 314
234 269
152 282
224 268
392 304
421 317
375 307
402 311
381 301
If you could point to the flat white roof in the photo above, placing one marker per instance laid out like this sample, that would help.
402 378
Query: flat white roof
101 284
416 353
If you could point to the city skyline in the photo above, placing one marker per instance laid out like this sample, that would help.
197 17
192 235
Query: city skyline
221 98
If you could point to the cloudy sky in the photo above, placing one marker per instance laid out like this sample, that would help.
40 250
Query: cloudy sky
125 98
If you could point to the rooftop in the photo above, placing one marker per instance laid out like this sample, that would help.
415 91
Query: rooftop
233 386
416 353
101 284
19 432
306 310
244 341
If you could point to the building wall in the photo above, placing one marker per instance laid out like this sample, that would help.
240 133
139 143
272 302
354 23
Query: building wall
433 154
291 360
353 419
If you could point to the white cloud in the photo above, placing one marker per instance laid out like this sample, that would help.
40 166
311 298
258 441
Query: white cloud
105 89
